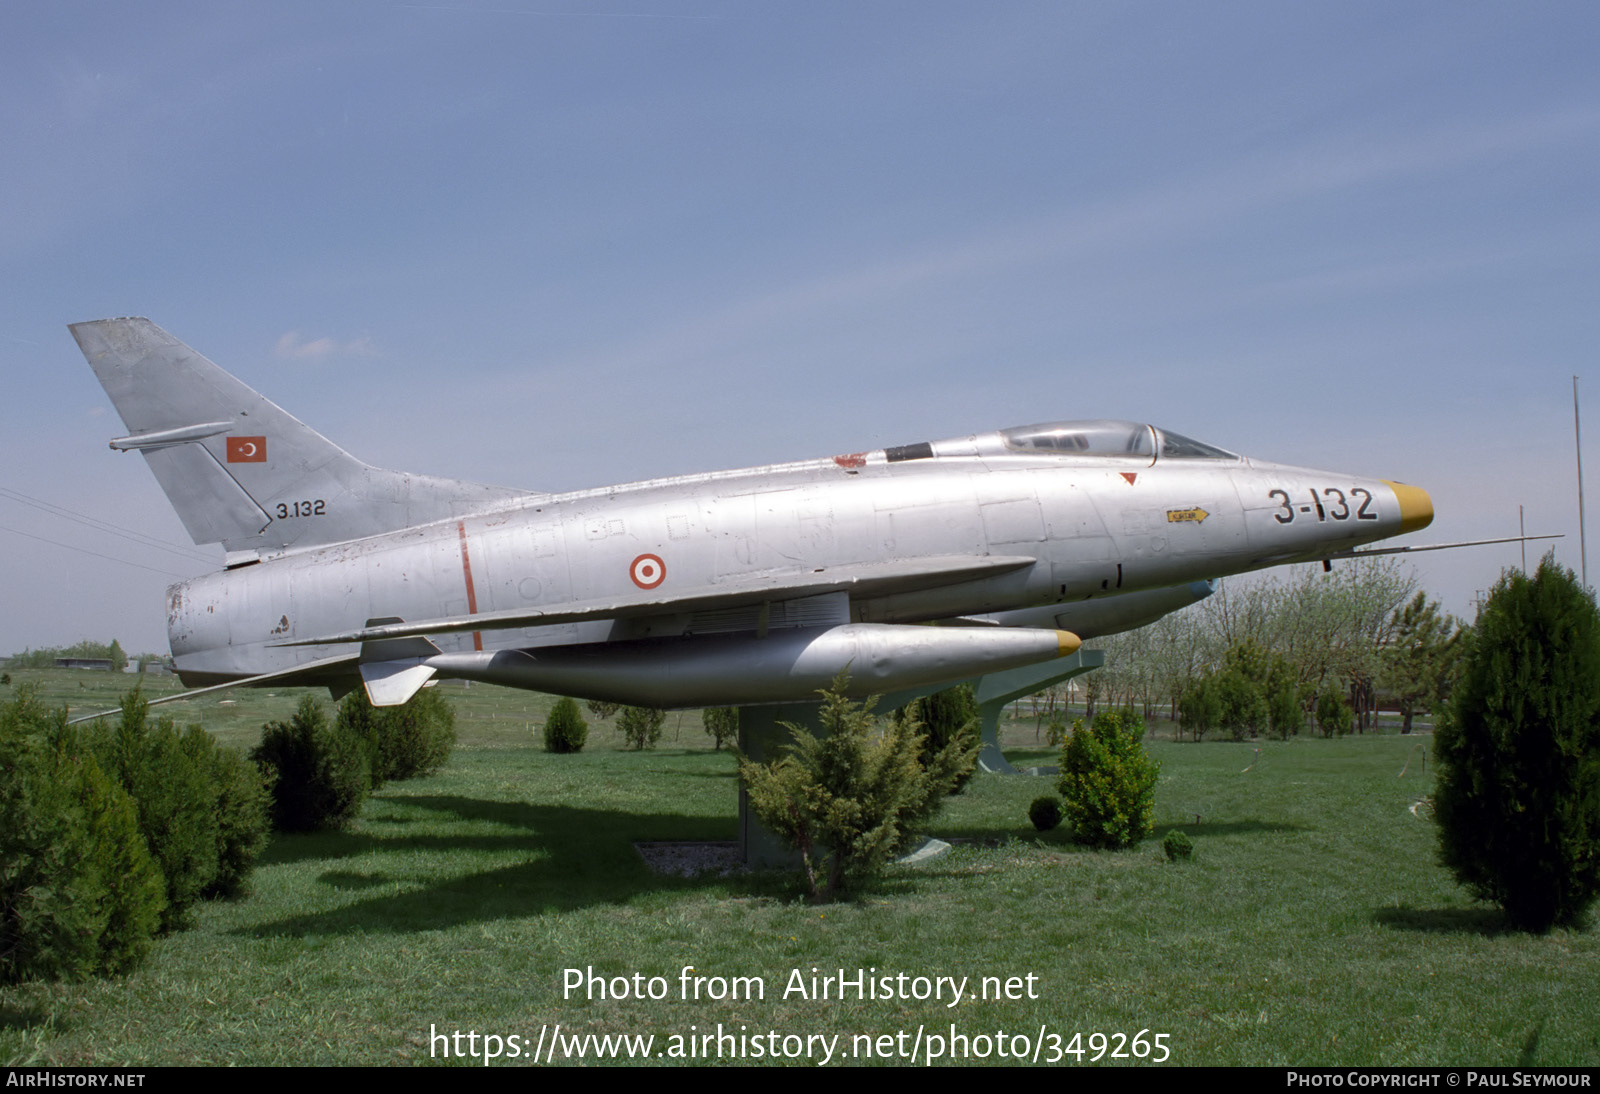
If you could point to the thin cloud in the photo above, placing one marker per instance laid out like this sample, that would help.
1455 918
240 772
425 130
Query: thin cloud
1175 208
292 346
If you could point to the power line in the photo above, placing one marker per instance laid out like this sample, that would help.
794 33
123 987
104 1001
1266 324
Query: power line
96 554
96 523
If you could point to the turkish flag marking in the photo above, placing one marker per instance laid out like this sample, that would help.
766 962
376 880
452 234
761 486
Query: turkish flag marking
247 450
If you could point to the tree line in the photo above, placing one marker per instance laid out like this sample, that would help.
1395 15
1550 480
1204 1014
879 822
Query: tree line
1278 653
45 656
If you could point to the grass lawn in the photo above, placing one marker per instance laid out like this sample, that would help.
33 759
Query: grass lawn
1313 925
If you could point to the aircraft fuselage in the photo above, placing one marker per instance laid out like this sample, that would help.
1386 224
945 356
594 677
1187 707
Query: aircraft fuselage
1090 526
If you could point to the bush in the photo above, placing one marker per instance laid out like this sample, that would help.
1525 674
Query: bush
1333 714
134 891
850 799
722 723
202 808
600 708
244 819
641 726
1242 703
948 716
1108 782
110 833
1055 733
322 775
1045 812
402 742
169 775
1177 845
1518 794
1281 691
49 920
1200 706
565 730
79 892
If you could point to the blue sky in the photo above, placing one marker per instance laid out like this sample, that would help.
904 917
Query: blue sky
559 246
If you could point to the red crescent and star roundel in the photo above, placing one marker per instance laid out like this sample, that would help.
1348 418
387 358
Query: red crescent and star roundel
647 571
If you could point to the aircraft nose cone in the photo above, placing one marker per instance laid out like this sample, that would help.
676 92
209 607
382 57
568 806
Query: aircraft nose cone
1416 508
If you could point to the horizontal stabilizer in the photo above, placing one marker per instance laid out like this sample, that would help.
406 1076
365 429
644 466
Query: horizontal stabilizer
391 668
393 683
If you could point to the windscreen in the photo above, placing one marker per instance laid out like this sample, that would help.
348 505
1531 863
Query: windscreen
1097 438
1175 446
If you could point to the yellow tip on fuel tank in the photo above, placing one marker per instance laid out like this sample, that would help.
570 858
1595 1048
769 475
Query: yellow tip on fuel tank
1067 643
1416 508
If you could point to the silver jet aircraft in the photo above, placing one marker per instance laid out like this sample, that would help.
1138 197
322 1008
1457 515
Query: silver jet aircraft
727 588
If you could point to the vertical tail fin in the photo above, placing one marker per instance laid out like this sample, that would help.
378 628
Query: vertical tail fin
239 469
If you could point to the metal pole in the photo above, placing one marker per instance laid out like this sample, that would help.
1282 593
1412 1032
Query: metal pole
1523 532
1577 436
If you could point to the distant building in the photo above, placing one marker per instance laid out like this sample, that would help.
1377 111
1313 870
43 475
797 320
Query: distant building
96 664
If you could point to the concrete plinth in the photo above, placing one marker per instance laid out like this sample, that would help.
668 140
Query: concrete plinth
999 688
763 731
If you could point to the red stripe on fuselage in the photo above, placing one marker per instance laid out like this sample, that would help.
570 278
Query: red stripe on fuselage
466 571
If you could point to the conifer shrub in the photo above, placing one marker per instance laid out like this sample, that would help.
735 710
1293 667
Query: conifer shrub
421 734
244 819
1045 812
851 799
403 742
641 726
50 907
722 723
1177 845
357 719
170 781
1200 706
565 730
600 708
1108 781
321 775
132 889
1281 690
948 716
1333 713
1242 703
1518 793
79 892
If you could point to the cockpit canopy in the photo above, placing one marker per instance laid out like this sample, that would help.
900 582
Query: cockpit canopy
1108 438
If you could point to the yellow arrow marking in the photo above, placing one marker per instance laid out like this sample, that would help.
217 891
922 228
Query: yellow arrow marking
1177 516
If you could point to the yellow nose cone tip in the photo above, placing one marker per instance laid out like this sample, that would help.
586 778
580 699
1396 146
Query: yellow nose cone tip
1067 643
1416 508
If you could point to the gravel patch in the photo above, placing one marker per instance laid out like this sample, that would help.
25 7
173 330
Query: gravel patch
690 859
